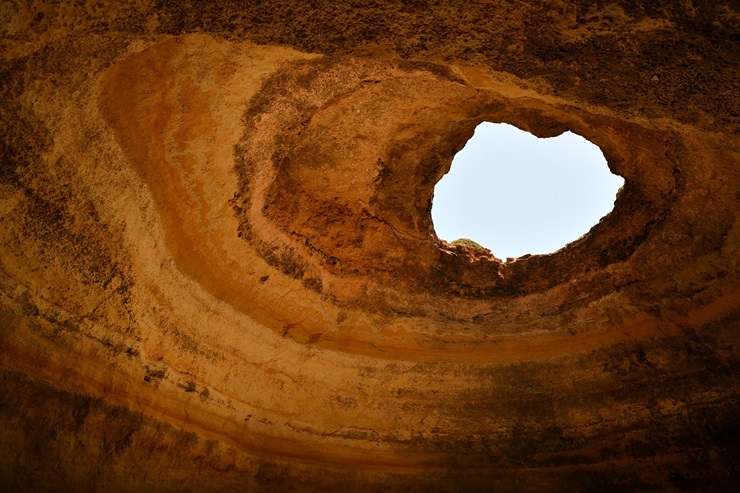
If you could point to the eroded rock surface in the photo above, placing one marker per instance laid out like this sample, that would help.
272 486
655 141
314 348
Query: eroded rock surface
218 270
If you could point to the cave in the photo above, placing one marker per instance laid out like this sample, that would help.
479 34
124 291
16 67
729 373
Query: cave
219 270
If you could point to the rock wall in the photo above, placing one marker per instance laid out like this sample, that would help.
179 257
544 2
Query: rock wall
218 270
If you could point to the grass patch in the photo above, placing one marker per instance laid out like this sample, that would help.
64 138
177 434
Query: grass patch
468 243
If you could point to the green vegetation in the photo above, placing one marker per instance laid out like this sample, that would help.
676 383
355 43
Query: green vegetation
468 243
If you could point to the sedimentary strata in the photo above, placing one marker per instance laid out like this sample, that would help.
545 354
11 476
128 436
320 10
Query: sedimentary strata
218 269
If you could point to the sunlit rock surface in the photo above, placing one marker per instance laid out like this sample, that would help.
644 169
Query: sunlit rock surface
218 270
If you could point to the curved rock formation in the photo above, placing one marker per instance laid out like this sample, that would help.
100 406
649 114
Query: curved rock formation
218 269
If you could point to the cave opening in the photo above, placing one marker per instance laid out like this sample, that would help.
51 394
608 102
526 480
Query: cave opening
516 194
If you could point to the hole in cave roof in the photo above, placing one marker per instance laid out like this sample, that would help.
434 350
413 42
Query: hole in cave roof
517 194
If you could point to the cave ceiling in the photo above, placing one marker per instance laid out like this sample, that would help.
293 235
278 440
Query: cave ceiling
218 269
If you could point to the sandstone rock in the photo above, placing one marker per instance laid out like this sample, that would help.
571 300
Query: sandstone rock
218 270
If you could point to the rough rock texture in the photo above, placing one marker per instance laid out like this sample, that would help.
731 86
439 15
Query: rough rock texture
218 270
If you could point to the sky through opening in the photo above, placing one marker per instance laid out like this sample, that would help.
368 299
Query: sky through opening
515 193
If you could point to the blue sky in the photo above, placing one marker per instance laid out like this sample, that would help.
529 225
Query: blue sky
515 193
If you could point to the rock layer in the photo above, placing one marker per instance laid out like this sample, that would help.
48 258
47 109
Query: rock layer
219 273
